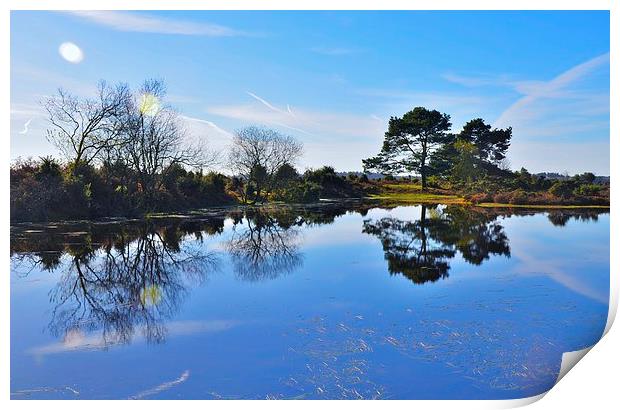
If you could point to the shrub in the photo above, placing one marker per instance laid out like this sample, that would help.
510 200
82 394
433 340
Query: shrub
519 197
480 198
433 181
562 189
302 192
588 190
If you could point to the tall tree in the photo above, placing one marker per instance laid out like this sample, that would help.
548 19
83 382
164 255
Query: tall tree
410 143
492 144
153 140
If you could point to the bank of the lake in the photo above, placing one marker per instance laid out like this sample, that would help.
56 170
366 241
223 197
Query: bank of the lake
412 193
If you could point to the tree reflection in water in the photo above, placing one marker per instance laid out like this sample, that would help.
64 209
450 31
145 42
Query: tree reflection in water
118 280
420 250
561 217
128 279
265 245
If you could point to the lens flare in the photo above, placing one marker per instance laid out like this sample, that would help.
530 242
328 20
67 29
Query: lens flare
71 52
150 295
149 104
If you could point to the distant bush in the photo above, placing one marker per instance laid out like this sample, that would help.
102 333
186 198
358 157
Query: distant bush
433 181
562 189
518 197
588 190
301 192
479 198
45 190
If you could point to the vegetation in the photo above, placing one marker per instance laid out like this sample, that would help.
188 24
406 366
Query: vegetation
125 153
469 166
410 143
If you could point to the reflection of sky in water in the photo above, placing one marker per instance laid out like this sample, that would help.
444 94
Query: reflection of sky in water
335 324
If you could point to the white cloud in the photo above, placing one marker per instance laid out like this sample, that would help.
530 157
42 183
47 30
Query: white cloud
126 21
162 387
26 125
203 132
477 81
558 124
266 103
543 97
76 340
317 124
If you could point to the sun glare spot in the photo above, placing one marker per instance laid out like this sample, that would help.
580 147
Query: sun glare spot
71 52
150 295
149 104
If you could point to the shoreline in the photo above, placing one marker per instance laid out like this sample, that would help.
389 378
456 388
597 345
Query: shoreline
219 210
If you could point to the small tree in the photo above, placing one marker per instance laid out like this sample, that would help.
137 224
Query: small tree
257 149
410 143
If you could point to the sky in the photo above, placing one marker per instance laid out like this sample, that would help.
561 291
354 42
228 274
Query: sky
333 79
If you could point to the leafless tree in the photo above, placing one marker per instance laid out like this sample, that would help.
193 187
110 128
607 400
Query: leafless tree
257 153
263 248
153 139
83 127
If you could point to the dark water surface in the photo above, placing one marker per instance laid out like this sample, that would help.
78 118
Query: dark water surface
330 301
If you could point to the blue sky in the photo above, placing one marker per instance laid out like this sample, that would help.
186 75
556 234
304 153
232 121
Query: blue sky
333 79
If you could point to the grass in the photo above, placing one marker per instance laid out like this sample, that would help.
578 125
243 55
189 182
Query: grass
412 193
498 205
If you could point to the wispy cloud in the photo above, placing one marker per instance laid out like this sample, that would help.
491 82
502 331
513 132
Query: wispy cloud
265 102
162 387
478 81
530 262
206 134
560 90
26 125
76 340
335 51
318 124
129 21
556 123
461 106
210 124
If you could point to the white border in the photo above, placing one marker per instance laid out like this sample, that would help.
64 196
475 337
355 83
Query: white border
594 381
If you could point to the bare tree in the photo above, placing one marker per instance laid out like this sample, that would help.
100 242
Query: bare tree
153 139
83 127
257 154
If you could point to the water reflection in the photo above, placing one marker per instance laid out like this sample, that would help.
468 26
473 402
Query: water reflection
561 217
420 249
121 279
265 245
116 281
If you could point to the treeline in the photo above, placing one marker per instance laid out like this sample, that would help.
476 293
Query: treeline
45 190
126 153
472 163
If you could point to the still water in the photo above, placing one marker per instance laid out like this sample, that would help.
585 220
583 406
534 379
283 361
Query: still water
340 301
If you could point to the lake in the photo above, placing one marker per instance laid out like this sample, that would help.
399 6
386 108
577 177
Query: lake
342 300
